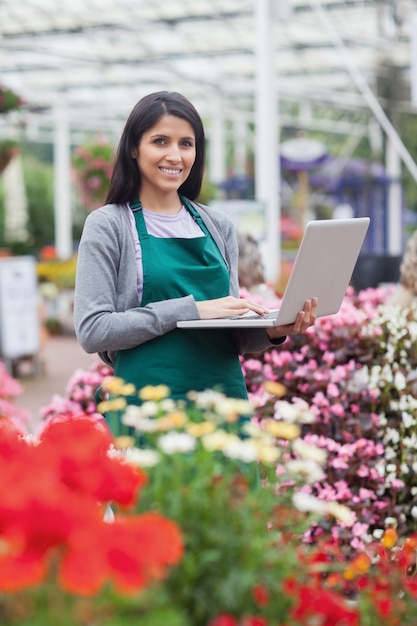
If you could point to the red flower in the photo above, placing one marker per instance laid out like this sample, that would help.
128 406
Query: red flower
84 463
18 572
51 512
224 620
260 595
130 552
331 607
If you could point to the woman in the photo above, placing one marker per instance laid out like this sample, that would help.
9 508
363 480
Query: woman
152 256
405 293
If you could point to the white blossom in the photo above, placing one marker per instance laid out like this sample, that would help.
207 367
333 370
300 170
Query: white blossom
310 471
142 457
305 502
240 449
309 452
177 442
392 435
408 420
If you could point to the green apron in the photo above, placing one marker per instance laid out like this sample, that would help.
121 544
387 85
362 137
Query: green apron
183 359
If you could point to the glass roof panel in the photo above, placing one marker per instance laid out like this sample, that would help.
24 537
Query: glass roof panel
98 57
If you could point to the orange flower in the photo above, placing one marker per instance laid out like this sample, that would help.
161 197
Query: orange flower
359 566
389 538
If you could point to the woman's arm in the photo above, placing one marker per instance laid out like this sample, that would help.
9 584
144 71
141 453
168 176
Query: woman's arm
107 314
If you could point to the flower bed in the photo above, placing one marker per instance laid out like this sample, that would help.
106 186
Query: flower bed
202 545
357 373
328 538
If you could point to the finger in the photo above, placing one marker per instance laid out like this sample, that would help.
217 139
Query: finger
299 322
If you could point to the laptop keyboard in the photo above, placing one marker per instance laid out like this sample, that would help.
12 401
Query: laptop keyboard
251 315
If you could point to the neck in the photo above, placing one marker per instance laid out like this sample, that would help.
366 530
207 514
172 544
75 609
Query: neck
168 204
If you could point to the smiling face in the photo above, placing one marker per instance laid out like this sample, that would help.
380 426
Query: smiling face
165 156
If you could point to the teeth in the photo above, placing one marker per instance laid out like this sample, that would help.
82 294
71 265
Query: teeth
169 171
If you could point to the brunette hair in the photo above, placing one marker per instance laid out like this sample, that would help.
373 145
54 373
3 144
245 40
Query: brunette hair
125 181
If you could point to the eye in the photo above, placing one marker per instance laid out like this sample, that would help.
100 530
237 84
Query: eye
187 143
159 141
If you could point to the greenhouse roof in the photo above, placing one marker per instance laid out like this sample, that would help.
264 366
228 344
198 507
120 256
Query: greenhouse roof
98 57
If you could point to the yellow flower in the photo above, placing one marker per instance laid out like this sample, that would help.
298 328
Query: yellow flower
117 404
114 385
158 392
282 430
215 440
128 390
266 453
124 442
232 408
201 429
176 419
274 388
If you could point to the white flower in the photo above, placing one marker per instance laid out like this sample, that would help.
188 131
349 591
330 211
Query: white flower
392 435
240 449
309 452
400 381
411 442
359 380
408 420
391 521
298 413
138 417
167 405
177 442
341 513
414 512
305 502
142 457
215 440
310 471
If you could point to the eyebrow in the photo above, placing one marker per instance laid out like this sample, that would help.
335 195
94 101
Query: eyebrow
189 138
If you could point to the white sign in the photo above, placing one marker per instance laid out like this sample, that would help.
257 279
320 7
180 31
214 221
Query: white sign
19 314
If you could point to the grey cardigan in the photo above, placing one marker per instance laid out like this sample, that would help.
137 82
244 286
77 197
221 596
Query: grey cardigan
107 312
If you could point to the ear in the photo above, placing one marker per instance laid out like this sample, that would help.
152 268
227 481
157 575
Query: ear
134 153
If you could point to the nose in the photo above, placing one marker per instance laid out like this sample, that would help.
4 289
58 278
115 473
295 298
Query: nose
173 153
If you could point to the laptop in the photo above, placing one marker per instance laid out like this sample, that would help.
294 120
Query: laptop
323 267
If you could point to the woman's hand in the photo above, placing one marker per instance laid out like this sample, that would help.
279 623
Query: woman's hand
227 307
304 320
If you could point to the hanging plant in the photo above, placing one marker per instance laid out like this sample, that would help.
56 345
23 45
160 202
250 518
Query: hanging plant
93 168
9 101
